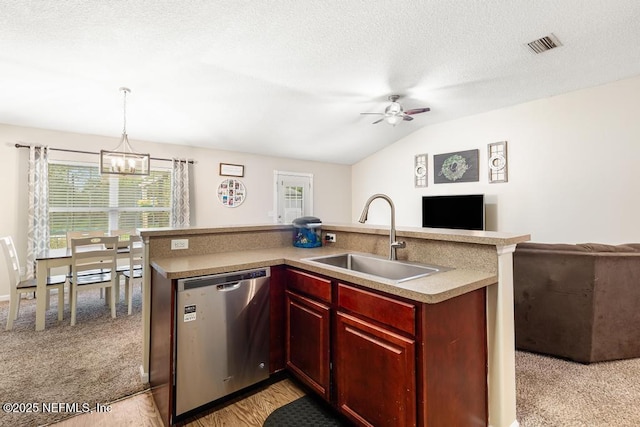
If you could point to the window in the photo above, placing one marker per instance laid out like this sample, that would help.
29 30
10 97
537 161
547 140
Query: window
80 199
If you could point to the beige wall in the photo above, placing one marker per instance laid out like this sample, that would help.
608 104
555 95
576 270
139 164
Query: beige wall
572 171
573 167
332 182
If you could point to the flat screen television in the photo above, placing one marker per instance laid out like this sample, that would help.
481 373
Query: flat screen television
460 211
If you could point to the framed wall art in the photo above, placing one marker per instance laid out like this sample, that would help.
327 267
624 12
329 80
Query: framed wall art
228 169
460 166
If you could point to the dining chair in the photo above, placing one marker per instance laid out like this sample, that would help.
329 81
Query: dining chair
134 273
124 235
81 234
93 265
18 286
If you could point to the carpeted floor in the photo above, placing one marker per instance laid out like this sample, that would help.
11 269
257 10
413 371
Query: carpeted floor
95 361
557 393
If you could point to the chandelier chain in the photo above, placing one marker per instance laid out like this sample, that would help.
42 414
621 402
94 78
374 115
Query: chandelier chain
125 90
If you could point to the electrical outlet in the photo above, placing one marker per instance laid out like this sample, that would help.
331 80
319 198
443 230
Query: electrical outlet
179 244
330 237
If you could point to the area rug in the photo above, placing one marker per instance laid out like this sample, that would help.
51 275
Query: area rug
50 375
305 411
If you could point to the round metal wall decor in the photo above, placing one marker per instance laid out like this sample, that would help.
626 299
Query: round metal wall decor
231 192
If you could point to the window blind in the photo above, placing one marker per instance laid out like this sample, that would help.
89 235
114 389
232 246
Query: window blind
80 199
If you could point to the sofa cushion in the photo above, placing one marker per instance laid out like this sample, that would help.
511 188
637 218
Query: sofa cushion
581 247
551 247
599 247
578 302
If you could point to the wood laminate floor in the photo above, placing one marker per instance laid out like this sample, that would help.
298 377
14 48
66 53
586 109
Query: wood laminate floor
140 410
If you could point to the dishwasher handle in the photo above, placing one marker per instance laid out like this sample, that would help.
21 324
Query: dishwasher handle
228 287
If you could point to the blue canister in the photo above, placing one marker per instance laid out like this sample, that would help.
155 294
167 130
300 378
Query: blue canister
307 233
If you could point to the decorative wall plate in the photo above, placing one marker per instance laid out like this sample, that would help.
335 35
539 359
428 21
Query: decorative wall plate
231 192
498 162
420 170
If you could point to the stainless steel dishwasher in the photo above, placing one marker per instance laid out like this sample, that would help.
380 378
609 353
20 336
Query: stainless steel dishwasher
222 336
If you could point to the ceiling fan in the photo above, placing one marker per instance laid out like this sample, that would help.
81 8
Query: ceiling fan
395 114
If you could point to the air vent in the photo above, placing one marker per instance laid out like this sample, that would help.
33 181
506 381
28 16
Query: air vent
544 44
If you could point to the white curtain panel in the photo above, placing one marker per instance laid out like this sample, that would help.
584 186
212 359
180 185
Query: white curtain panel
38 215
180 194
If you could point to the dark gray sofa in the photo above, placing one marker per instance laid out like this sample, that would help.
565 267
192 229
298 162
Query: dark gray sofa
579 302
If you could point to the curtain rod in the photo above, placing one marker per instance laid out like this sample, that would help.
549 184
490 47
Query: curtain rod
97 154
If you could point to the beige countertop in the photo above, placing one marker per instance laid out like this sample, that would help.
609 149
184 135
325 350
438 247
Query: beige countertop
431 289
441 234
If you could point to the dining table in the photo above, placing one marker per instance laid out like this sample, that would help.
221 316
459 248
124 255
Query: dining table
45 261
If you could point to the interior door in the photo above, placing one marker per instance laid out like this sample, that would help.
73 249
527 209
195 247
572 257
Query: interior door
294 196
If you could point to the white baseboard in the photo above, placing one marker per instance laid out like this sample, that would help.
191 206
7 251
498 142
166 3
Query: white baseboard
144 376
515 423
4 298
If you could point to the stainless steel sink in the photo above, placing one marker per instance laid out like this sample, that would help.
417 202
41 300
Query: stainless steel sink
398 271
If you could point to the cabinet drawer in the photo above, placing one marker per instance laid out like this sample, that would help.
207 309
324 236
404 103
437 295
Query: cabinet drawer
398 314
309 285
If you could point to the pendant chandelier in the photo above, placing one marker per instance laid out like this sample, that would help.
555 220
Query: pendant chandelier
123 160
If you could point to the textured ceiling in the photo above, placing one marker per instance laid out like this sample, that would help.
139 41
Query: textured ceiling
290 77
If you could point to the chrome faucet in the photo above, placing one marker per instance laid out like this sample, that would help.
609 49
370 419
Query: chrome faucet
393 244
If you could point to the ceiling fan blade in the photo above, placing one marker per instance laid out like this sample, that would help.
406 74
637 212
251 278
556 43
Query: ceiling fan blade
378 121
417 110
407 118
381 114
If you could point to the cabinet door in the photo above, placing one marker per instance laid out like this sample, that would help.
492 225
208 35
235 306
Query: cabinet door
374 373
307 340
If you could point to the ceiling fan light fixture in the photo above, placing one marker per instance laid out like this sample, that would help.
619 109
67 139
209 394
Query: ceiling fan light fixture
394 119
394 113
393 108
123 160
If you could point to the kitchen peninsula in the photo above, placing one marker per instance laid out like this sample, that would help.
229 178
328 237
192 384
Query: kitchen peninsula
480 262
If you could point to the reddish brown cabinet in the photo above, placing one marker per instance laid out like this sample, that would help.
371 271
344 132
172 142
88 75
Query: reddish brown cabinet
375 358
374 373
394 362
308 325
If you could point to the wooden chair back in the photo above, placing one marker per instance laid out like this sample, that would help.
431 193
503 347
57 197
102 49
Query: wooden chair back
82 234
124 235
13 264
89 254
18 286
136 253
